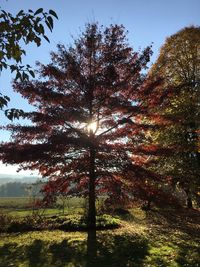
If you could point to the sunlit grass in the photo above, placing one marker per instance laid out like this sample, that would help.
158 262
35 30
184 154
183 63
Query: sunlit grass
127 246
167 238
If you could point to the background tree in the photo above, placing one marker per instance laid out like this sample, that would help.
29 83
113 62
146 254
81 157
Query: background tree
24 27
87 106
18 189
179 66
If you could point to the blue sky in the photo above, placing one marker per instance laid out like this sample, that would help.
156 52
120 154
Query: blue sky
148 21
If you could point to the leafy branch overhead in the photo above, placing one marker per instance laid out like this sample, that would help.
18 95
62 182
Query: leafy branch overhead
23 28
3 100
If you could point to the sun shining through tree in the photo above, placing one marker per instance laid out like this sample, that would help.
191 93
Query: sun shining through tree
92 126
85 115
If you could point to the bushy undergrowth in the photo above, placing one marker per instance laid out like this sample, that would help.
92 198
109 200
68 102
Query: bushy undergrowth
5 220
66 223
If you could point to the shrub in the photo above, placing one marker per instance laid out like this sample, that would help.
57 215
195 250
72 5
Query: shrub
66 223
25 224
5 221
106 221
19 226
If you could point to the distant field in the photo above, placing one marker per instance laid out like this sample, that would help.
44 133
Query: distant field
21 206
14 202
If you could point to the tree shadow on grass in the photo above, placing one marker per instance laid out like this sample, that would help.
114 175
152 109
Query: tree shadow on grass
182 227
101 249
65 253
32 255
9 255
185 220
35 254
130 215
121 250
188 255
91 256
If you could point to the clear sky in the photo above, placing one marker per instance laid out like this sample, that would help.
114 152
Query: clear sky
148 21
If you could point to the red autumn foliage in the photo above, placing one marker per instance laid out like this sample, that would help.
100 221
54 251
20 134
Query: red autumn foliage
100 80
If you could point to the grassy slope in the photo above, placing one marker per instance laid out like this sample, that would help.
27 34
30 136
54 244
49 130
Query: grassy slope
157 238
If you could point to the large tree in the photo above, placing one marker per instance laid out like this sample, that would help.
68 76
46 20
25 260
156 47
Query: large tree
87 102
179 66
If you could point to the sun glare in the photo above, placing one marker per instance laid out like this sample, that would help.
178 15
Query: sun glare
92 127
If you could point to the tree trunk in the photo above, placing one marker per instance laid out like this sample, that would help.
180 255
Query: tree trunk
148 205
189 202
63 206
92 207
91 248
189 199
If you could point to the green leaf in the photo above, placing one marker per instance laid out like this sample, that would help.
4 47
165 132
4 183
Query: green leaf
50 20
24 76
18 76
13 113
4 12
37 40
40 10
13 68
48 25
53 13
4 65
32 73
21 12
23 52
41 29
46 38
7 98
1 54
3 101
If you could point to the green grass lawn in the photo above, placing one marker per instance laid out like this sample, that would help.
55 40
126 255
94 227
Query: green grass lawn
156 238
